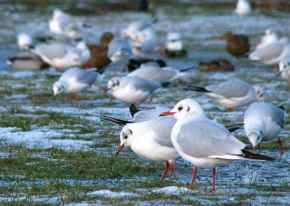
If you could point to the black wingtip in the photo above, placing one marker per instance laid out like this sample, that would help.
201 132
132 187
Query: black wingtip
133 110
234 127
195 88
165 84
255 156
189 68
119 122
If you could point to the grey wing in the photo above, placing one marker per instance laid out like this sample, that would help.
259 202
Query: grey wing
266 110
154 73
277 114
268 52
143 84
53 51
230 89
162 127
81 75
203 139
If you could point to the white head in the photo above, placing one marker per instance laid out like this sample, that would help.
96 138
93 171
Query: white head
24 40
58 88
126 137
255 137
186 108
113 84
259 93
283 66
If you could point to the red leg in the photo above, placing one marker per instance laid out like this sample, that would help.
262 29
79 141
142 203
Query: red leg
150 100
191 186
72 99
213 172
79 100
112 98
259 148
231 109
171 169
165 170
280 142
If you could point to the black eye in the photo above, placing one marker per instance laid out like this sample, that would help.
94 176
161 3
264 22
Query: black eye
180 108
126 137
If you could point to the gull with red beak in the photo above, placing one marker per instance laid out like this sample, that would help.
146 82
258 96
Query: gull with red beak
151 139
205 143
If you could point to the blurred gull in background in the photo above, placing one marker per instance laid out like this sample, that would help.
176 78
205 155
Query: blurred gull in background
232 93
74 81
269 38
24 41
243 8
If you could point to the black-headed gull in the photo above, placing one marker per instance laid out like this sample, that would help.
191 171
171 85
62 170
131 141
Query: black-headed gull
119 50
62 56
243 8
203 142
269 38
134 89
146 48
159 74
232 93
284 69
63 23
24 41
74 81
273 53
263 122
174 45
151 139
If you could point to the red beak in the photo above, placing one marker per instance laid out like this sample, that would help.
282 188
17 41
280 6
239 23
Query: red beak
107 89
167 114
120 148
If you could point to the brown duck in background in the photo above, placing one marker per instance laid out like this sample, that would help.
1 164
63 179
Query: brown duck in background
99 58
217 65
237 44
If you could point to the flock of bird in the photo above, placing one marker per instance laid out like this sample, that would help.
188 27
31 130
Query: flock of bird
164 134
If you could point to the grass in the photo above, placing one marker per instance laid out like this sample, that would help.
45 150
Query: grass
30 170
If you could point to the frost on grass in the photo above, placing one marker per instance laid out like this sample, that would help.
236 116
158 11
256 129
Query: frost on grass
108 193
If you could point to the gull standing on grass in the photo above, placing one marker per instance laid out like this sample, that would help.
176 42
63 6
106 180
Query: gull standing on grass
273 53
205 143
24 41
149 139
74 81
63 23
134 89
243 8
157 74
232 93
263 122
284 69
62 56
119 50
269 38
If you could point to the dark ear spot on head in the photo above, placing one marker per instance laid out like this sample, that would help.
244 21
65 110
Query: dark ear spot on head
188 109
130 131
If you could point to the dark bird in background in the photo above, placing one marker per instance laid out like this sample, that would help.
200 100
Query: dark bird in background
237 44
99 53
